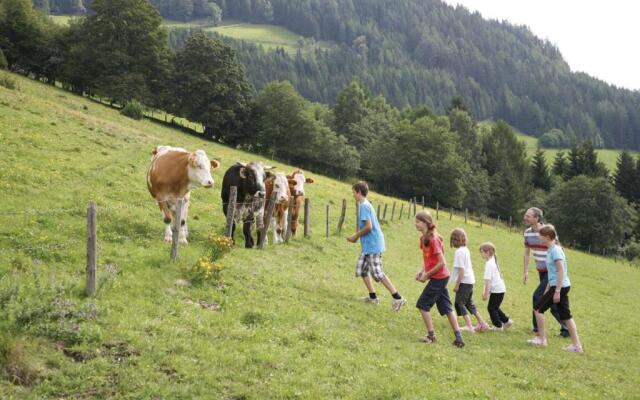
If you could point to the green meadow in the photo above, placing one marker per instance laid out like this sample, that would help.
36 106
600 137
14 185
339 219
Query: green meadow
288 321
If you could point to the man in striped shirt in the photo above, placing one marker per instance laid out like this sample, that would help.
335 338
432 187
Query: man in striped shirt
533 244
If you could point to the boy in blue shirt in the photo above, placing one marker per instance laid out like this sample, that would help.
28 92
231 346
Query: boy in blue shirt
557 292
372 241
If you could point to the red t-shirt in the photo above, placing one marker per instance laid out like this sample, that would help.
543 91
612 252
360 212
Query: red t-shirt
430 254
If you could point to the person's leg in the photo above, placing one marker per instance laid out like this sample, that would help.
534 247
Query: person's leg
494 303
573 332
459 305
537 294
428 321
387 283
368 283
453 321
540 323
467 322
564 331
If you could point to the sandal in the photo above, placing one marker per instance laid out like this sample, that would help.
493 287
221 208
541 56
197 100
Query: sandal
428 339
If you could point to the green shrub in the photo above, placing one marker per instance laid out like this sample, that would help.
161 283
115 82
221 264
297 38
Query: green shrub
133 109
8 82
204 271
218 246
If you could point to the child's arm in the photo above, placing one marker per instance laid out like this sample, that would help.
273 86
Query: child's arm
456 287
556 295
485 293
365 229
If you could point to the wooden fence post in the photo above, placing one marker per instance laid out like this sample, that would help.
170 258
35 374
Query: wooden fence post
267 219
409 209
498 223
437 210
231 207
343 212
307 215
384 213
423 202
292 203
401 209
378 212
327 231
393 210
414 206
177 224
466 214
92 247
481 218
450 213
510 223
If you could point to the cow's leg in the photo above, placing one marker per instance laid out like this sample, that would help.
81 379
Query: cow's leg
274 229
285 216
184 231
164 207
246 229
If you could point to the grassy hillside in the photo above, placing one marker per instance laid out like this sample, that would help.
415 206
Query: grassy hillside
290 323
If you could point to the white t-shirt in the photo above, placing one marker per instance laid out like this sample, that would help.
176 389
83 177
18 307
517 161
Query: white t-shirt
462 265
492 274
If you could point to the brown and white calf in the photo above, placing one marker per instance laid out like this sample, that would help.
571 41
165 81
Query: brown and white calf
173 173
279 184
296 185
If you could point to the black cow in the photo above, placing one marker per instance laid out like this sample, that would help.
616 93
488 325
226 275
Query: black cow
249 179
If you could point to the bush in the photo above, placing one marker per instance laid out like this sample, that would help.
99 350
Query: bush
219 246
204 271
8 82
133 109
20 363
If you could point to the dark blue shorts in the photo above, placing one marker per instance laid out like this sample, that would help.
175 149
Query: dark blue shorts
435 293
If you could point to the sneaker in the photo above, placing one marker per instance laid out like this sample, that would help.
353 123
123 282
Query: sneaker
482 327
428 339
398 303
572 348
564 333
497 328
369 300
458 343
508 324
469 329
536 341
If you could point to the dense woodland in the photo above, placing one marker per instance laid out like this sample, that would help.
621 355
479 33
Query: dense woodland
413 150
425 52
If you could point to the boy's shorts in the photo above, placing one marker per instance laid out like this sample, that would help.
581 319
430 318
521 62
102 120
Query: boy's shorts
370 264
546 301
435 293
463 300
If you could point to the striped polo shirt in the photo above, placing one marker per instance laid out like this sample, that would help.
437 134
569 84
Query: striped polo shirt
532 241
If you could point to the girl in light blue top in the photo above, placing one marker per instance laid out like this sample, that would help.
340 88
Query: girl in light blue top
557 292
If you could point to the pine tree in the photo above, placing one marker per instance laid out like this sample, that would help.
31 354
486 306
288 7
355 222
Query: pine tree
540 176
625 177
560 165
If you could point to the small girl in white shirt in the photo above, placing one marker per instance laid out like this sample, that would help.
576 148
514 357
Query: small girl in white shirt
494 288
463 280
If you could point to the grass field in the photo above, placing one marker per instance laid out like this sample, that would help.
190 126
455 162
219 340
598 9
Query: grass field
290 323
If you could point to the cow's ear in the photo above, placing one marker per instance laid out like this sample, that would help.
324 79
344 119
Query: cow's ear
309 180
243 173
155 151
268 167
292 182
269 175
289 176
215 164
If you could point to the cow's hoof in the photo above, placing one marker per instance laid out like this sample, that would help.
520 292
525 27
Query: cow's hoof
168 239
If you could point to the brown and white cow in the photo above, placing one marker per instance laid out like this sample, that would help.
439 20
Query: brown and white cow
280 184
296 185
173 173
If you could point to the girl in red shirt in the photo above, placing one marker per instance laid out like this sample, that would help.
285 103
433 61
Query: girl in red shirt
435 271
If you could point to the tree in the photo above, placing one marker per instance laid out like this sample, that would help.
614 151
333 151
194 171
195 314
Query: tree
351 107
121 52
589 211
209 86
625 177
583 160
458 103
560 165
21 35
540 172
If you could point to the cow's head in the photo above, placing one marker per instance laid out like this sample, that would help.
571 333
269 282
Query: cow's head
253 176
200 168
297 181
281 187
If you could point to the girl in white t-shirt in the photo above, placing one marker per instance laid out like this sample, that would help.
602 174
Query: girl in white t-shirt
494 288
463 280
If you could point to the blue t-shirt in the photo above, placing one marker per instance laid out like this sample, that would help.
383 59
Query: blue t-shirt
555 253
372 242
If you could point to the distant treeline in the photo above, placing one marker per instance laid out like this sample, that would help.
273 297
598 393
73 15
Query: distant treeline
121 54
424 51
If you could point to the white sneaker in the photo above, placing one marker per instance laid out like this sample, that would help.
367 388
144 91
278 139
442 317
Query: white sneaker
398 303
369 300
536 341
497 329
508 324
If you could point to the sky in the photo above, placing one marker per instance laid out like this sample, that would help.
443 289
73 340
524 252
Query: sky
600 38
